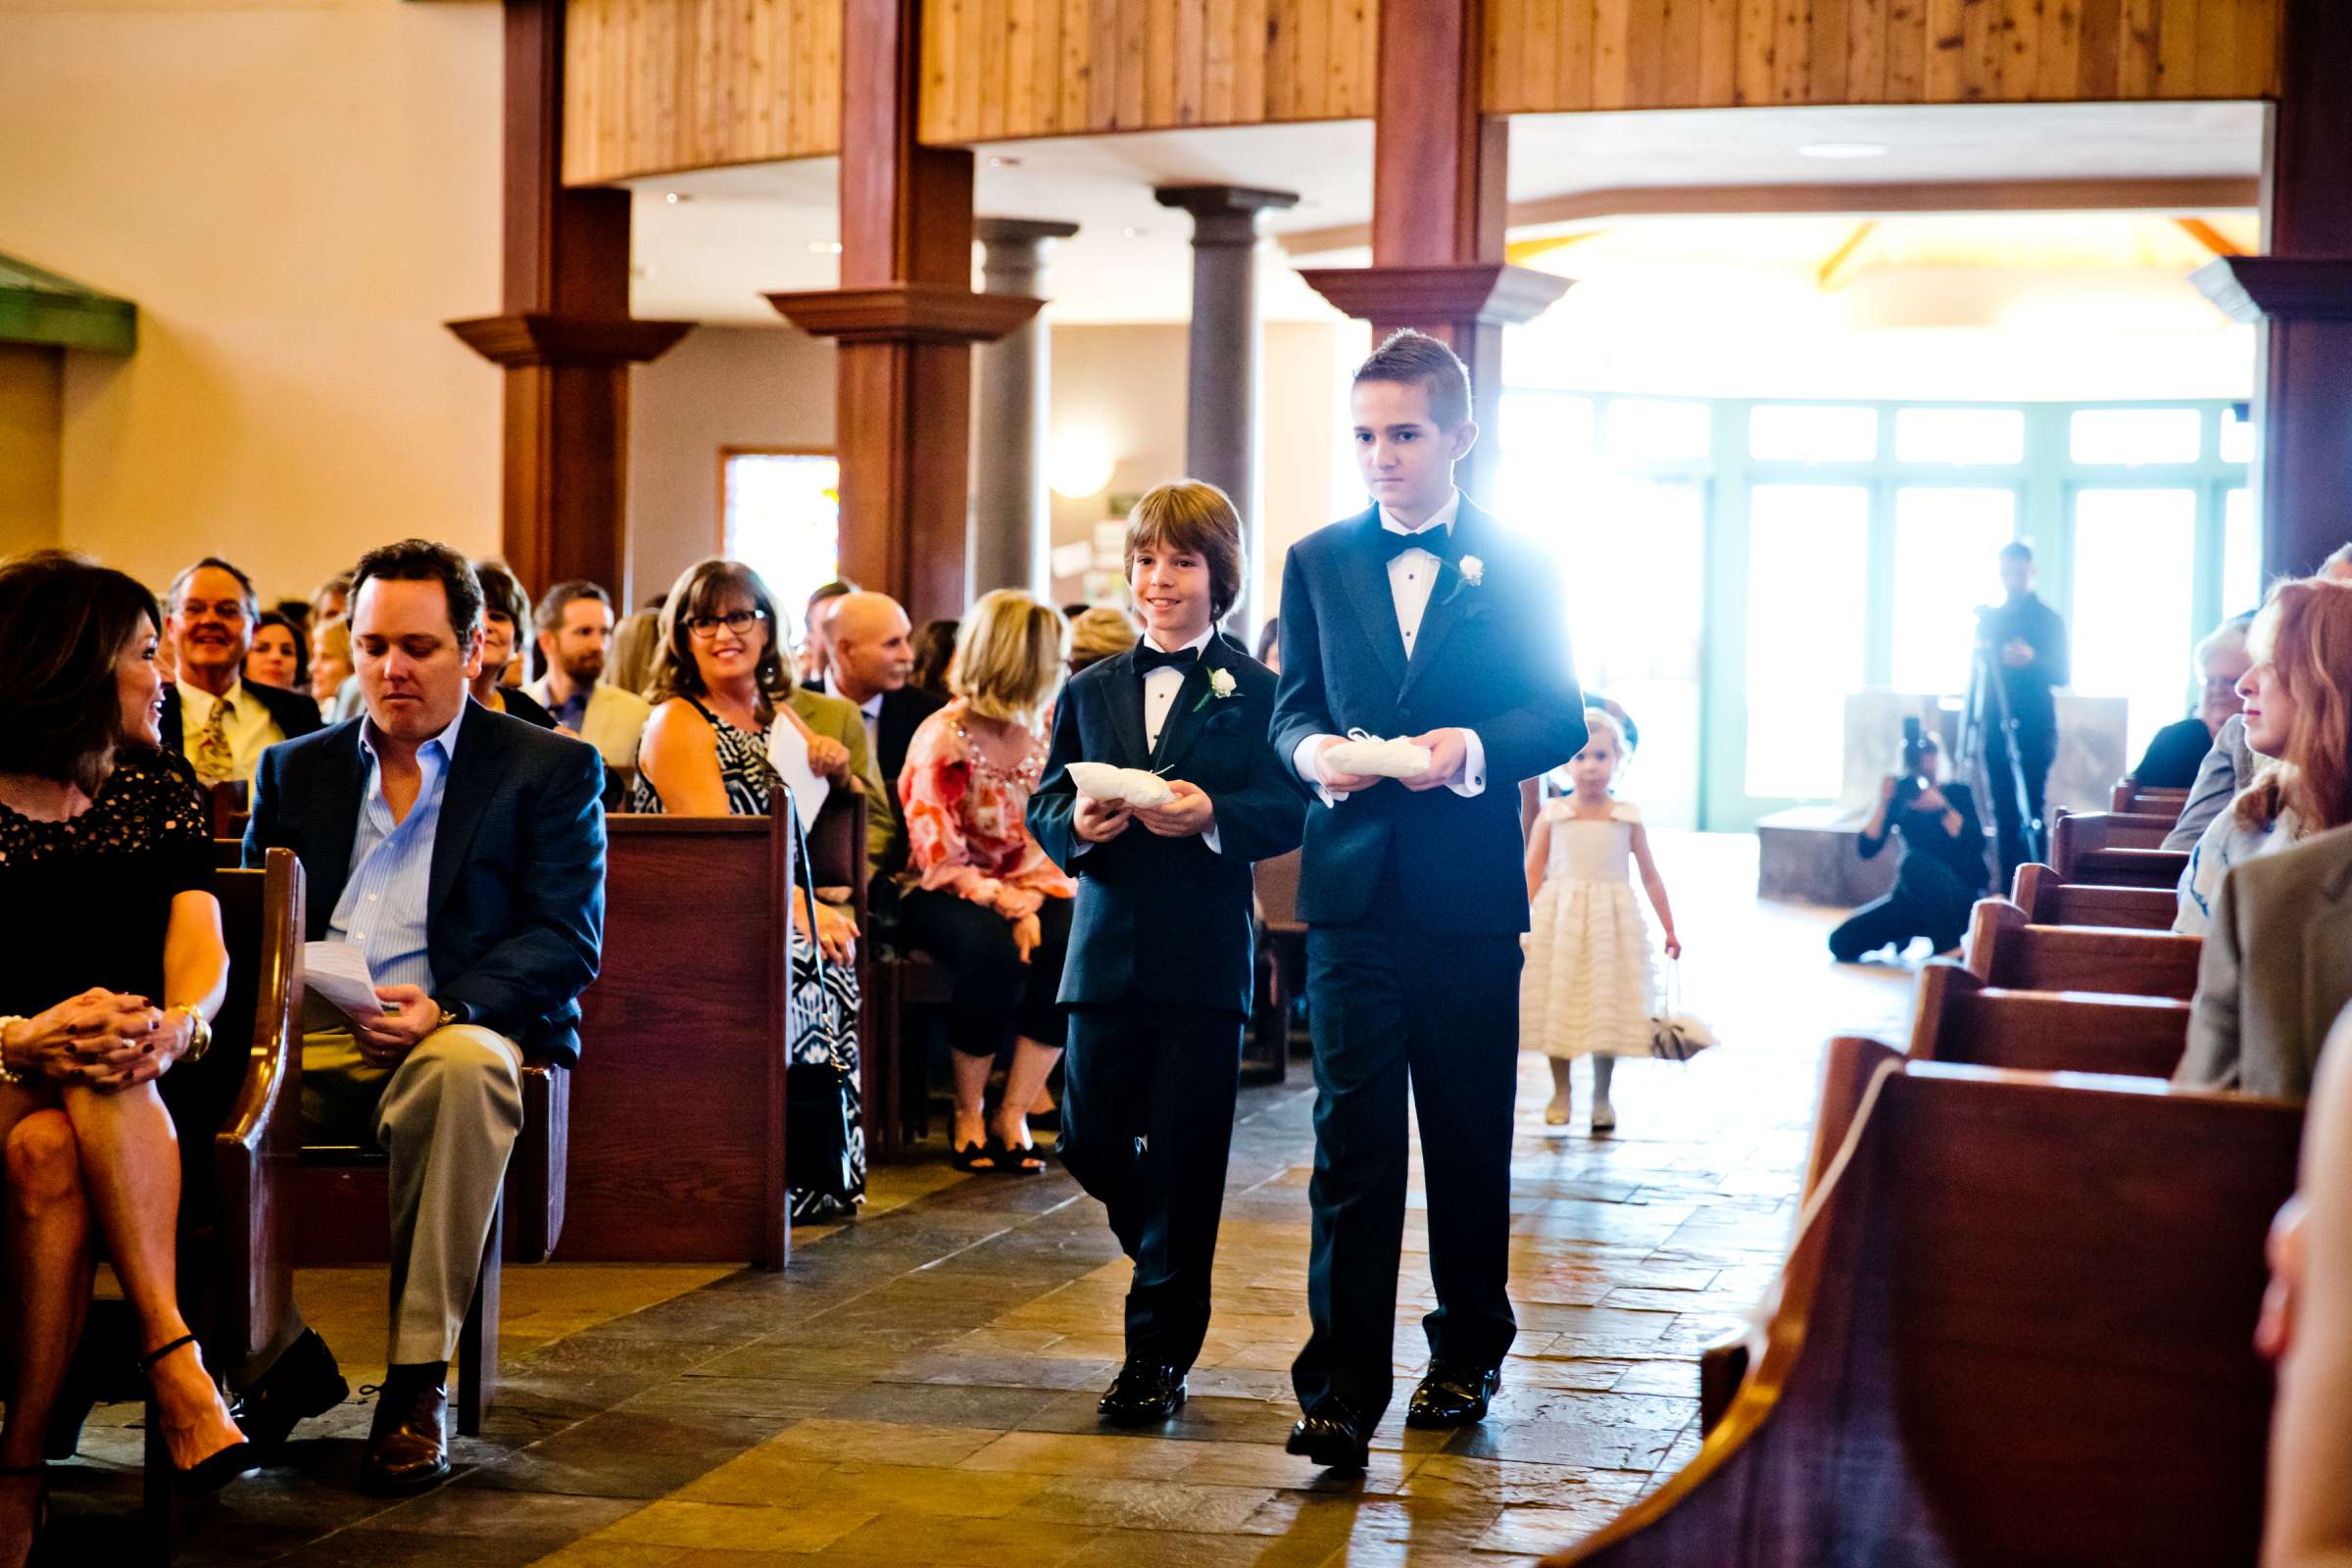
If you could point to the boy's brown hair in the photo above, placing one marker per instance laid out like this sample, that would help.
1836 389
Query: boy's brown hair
1198 519
1415 359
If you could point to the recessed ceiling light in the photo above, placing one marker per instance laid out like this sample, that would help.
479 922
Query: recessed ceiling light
824 247
1842 149
998 162
1135 233
677 196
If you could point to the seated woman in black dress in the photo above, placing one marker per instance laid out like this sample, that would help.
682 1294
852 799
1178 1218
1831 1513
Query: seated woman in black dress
720 682
505 610
2178 749
112 969
1942 872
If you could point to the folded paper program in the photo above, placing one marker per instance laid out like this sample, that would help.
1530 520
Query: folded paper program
1101 781
1375 758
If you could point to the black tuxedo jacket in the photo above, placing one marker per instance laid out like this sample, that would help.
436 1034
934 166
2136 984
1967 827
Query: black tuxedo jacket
1491 657
1168 920
294 714
902 713
516 908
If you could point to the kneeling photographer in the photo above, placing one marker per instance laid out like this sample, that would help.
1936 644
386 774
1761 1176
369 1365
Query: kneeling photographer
1942 871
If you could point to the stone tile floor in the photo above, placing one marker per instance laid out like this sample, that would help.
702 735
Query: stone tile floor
919 1386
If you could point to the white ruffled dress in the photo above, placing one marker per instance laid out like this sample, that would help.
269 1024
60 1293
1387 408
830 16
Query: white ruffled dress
1589 986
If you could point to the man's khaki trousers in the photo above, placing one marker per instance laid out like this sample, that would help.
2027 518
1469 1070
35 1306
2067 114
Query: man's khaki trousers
448 1116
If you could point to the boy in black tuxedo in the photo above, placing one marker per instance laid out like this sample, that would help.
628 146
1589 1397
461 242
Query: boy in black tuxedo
1420 620
1159 976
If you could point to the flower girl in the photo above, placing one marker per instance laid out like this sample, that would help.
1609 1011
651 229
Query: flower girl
1587 989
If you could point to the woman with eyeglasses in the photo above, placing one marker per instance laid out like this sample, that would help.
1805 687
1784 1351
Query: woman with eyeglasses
720 682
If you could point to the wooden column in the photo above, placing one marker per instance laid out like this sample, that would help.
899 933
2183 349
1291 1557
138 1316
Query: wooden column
2299 296
564 337
906 318
1438 206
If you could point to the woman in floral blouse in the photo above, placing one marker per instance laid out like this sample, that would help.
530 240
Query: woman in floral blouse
980 898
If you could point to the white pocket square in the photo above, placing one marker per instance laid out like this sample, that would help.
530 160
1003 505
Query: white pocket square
1101 781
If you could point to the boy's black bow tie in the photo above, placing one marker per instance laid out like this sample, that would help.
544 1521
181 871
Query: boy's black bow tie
1439 542
1148 658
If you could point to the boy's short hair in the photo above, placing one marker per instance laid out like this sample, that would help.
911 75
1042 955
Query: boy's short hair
1415 359
1198 519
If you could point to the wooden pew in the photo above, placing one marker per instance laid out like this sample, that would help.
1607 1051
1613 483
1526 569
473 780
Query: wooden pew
1281 968
2129 796
1962 1020
677 1117
2005 947
2049 899
2116 850
2016 1328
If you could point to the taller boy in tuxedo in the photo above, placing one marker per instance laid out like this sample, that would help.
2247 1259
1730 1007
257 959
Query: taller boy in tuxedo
1420 619
1159 976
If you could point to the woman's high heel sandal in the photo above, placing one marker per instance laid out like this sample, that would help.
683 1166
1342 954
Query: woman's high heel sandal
210 1474
40 1506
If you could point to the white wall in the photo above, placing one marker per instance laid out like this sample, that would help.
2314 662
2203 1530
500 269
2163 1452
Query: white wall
296 195
722 386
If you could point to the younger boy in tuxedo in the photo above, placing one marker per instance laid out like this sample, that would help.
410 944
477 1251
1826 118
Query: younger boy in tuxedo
1422 620
1159 976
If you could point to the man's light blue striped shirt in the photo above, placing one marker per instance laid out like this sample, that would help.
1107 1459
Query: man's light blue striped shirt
382 909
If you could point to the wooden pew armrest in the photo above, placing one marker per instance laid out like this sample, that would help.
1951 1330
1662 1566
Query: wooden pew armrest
538 1171
1722 1368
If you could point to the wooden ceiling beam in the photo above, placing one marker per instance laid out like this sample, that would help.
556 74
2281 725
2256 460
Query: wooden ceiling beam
2188 196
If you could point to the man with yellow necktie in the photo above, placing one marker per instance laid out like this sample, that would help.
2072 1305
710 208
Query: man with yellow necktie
211 716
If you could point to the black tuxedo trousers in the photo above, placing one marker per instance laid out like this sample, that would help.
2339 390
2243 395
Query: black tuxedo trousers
1147 1116
1392 1004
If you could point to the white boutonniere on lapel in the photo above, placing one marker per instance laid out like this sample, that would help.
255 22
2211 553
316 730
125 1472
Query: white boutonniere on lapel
1221 685
1472 571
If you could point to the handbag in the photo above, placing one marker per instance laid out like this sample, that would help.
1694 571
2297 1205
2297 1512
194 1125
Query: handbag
1676 1035
824 1137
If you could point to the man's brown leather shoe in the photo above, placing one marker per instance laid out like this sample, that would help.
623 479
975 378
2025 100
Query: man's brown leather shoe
407 1447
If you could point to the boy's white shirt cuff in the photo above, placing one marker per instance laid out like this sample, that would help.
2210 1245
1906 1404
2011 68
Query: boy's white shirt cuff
1469 784
1309 766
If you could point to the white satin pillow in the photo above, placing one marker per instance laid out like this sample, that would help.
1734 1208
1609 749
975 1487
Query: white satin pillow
1101 781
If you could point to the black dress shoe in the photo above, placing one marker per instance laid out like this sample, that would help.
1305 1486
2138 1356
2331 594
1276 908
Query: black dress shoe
407 1446
1455 1393
1334 1436
302 1383
1143 1391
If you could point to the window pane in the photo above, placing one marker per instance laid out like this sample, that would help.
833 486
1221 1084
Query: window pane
1559 428
2237 437
2138 435
2135 565
1807 577
1648 431
1546 449
1947 543
1634 603
784 519
1800 432
1960 435
2241 554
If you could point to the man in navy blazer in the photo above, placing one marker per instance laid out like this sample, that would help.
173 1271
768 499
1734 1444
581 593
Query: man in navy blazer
1419 619
463 852
1159 974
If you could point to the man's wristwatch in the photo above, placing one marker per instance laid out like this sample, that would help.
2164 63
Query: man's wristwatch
447 1017
8 1074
